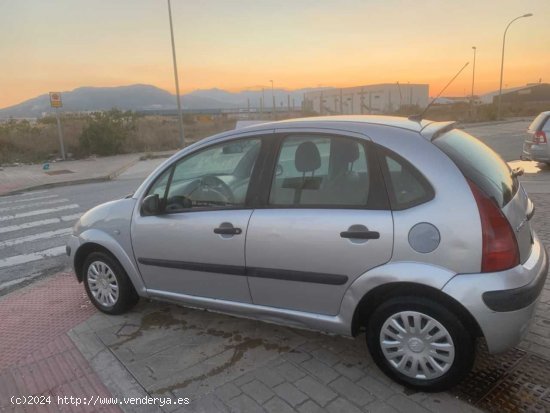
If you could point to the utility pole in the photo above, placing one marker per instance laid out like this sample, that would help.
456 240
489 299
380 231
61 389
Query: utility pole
473 80
60 133
56 103
180 114
273 97
262 101
288 103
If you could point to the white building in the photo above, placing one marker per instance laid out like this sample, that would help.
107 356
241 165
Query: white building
382 98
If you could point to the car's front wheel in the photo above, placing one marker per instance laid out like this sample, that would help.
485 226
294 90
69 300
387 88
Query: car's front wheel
420 343
107 284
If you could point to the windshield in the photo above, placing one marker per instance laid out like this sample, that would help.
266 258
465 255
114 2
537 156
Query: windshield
480 164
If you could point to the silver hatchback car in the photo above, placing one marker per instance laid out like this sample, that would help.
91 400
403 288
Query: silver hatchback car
412 231
536 147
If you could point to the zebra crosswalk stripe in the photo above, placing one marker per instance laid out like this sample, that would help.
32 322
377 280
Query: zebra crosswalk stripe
38 212
33 256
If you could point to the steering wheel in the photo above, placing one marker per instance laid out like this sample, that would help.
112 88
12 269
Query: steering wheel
216 185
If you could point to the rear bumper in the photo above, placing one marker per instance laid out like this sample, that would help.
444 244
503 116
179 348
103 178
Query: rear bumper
539 153
503 303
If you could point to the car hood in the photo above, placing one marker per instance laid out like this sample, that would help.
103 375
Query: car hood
109 216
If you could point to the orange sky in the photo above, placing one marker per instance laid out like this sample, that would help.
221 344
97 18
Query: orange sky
239 44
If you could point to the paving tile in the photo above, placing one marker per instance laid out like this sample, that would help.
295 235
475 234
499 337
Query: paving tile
244 404
326 356
276 405
227 391
290 394
311 407
405 405
206 404
341 405
320 370
268 376
375 387
382 407
351 391
317 391
258 391
289 371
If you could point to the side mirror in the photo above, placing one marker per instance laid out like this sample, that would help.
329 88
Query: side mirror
151 205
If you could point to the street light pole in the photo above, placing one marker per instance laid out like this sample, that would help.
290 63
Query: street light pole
502 60
180 115
273 97
473 80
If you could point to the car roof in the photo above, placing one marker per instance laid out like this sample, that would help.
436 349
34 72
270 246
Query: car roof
394 121
426 128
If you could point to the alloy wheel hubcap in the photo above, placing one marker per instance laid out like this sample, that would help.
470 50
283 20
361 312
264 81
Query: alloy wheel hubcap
103 283
417 345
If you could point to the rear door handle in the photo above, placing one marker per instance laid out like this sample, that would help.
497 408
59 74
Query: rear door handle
228 231
360 234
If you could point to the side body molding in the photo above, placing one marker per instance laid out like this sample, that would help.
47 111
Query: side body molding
104 239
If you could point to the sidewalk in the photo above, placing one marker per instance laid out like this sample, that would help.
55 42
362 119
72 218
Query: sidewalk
15 179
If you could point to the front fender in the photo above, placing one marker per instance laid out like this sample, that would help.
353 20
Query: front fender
125 258
393 272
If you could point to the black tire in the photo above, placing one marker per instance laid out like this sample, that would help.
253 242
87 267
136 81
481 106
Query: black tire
462 339
127 295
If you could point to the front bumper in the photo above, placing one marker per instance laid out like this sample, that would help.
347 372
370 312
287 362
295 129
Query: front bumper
72 246
503 302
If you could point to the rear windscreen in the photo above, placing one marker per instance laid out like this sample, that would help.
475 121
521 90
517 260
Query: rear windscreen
538 122
480 164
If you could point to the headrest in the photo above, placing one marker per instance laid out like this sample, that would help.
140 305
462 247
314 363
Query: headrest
345 150
307 157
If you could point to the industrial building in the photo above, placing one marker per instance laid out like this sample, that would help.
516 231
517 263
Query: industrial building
531 93
368 99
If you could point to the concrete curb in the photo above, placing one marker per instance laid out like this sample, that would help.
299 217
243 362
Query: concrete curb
103 178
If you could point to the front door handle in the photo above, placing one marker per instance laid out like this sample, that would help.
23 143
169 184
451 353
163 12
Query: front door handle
228 231
360 234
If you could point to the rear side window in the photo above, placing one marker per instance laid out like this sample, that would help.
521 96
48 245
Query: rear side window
539 122
480 164
406 186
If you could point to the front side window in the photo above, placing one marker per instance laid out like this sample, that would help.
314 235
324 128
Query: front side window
216 177
321 171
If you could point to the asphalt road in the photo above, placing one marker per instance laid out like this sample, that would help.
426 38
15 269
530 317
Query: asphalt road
505 138
34 225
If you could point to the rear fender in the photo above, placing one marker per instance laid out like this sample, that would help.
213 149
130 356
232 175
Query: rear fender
393 272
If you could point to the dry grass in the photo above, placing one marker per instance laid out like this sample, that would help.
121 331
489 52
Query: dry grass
24 142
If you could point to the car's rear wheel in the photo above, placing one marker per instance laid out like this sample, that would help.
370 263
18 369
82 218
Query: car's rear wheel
420 343
107 284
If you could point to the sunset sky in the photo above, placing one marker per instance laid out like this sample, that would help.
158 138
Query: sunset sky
48 45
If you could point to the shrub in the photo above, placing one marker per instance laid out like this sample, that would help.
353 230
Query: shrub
107 132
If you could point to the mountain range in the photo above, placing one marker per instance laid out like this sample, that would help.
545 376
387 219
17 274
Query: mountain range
147 97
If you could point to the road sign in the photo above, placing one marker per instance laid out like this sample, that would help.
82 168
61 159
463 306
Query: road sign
55 100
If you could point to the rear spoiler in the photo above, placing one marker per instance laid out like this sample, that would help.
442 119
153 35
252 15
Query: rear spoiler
435 129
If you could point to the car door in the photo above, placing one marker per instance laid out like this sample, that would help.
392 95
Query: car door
325 221
194 244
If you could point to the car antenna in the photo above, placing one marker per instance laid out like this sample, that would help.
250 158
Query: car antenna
418 117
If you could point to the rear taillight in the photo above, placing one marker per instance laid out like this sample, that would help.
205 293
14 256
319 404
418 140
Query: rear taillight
539 137
500 248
